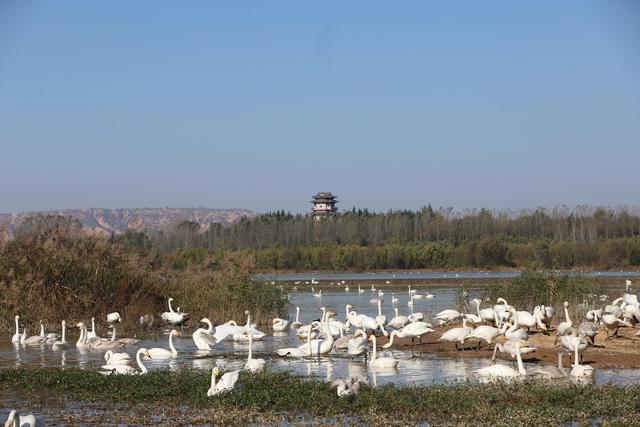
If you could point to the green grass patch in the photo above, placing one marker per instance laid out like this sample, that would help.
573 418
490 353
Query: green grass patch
529 403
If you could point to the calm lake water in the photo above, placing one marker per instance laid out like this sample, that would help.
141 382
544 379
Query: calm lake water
421 275
413 368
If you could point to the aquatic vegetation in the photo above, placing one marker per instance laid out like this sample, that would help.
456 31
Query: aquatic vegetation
551 289
278 394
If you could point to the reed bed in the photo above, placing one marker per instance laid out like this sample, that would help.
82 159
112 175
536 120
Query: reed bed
53 272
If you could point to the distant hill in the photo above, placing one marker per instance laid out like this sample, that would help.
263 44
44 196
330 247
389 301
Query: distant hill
108 221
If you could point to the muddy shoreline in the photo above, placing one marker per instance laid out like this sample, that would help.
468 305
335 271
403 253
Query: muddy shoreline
616 352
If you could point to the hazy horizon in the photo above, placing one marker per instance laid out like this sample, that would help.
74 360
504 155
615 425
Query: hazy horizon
259 106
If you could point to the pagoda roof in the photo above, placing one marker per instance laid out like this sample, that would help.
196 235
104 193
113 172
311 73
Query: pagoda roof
324 195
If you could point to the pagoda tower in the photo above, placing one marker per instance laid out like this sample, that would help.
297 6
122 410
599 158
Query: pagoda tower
324 204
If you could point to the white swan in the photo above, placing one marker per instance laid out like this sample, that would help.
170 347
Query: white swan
501 308
380 362
457 335
573 341
353 318
113 318
202 337
300 351
563 326
412 330
95 343
253 365
415 317
125 341
318 294
112 358
346 387
17 420
503 371
227 381
126 369
398 321
448 316
16 337
51 336
528 320
62 344
296 324
342 342
509 347
279 325
381 318
34 340
612 324
227 330
370 324
357 345
515 332
486 333
548 372
308 330
92 333
175 318
487 314
161 353
323 346
579 370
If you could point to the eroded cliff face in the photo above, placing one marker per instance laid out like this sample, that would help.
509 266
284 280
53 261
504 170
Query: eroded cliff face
114 221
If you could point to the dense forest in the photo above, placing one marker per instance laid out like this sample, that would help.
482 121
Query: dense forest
583 237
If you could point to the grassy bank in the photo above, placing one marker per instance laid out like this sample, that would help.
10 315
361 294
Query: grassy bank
274 395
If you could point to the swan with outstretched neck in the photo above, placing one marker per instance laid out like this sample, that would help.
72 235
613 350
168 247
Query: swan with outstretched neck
160 353
16 337
296 324
62 344
380 362
503 371
254 365
412 330
203 338
92 333
227 381
126 369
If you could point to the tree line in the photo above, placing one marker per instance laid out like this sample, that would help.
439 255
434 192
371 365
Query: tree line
425 239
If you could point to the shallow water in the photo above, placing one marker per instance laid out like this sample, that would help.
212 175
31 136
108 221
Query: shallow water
413 368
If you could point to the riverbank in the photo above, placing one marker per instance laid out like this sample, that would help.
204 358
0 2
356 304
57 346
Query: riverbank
74 396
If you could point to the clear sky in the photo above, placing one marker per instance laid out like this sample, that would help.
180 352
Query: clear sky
259 105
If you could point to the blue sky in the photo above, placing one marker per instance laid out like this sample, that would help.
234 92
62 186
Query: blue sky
261 104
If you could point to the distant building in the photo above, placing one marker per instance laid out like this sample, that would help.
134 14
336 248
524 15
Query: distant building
324 203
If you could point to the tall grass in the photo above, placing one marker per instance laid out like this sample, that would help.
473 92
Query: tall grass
226 294
525 403
550 289
51 271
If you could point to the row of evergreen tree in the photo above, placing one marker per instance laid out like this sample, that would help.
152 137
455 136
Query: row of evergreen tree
428 238
369 229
